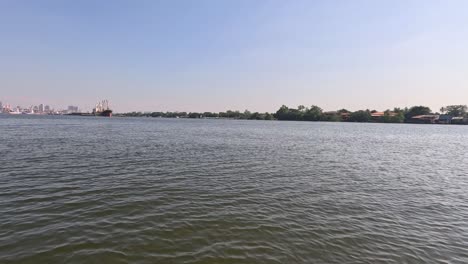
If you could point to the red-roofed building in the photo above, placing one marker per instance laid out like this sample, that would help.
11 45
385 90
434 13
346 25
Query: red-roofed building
424 119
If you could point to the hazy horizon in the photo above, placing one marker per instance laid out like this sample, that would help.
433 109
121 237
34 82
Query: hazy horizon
218 55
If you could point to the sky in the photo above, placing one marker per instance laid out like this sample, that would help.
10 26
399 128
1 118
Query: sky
212 55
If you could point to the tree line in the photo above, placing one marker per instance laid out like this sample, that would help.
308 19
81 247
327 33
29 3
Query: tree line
228 115
315 113
395 115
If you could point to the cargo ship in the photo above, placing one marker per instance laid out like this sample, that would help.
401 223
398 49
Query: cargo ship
102 109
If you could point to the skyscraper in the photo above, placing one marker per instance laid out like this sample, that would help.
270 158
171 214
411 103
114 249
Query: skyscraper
1 107
47 109
72 109
41 108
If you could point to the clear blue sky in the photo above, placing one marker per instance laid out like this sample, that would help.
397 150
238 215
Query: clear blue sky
216 55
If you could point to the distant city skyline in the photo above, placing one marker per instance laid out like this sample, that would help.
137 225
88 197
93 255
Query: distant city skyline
212 55
6 106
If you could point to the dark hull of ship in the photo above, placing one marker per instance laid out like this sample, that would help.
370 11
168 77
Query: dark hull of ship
106 113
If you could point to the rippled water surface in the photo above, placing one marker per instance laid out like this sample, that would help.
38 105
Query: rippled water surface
130 190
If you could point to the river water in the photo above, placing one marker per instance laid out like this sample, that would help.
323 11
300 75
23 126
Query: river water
149 190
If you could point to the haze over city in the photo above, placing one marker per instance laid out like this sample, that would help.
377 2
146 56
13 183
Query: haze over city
219 55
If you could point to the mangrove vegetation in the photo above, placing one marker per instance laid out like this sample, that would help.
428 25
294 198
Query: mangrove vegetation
414 114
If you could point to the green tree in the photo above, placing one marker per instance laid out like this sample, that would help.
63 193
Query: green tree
398 118
360 116
282 113
256 116
387 118
229 114
314 113
331 117
268 116
456 110
393 117
341 111
194 115
398 110
417 110
246 114
210 114
285 113
157 114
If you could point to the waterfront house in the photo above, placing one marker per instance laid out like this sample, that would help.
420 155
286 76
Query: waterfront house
379 116
330 114
444 119
345 116
459 120
424 119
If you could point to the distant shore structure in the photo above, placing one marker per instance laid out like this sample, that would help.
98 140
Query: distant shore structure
102 109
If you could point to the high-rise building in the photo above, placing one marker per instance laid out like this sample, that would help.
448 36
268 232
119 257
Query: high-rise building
72 109
47 109
41 108
1 107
